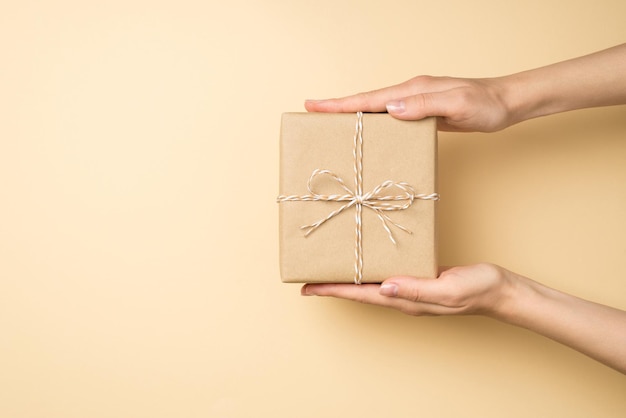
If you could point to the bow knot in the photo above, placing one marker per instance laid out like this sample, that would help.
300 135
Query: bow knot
380 200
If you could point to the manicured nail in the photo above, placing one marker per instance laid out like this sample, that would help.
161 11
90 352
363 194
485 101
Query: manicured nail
396 106
389 289
304 291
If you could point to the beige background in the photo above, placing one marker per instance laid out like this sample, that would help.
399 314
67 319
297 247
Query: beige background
138 228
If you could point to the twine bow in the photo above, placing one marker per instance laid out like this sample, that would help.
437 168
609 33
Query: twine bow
380 200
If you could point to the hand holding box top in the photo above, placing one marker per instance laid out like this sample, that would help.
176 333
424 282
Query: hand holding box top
356 184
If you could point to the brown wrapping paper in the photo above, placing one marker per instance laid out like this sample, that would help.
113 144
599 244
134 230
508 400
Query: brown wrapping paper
400 151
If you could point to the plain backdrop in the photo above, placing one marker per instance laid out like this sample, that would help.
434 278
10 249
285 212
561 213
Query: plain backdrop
138 223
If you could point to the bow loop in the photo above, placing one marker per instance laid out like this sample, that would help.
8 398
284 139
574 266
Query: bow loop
330 197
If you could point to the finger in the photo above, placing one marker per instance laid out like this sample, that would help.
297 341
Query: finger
365 293
358 103
369 294
422 105
430 291
371 101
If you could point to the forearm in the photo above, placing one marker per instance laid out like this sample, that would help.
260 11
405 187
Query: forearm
593 80
595 330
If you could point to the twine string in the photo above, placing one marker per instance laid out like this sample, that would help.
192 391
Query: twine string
381 199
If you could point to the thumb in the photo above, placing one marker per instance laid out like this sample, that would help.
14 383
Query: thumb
415 289
420 106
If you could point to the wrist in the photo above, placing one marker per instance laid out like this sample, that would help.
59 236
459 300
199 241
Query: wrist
524 301
513 293
518 97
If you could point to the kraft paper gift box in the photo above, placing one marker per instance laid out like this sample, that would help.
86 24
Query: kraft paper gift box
397 160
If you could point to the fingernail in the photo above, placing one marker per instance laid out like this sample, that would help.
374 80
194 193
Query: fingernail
313 101
389 289
304 291
396 106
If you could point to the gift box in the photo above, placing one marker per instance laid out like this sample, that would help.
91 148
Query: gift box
357 198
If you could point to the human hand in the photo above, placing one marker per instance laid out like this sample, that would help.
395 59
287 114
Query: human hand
461 104
476 289
596 330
